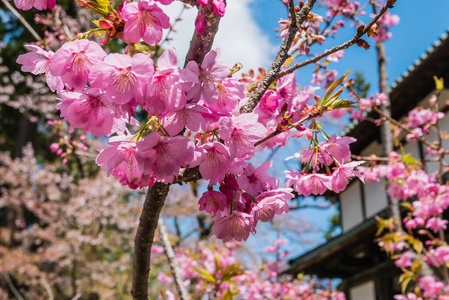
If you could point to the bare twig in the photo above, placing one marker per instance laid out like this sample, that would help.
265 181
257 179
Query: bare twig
189 2
369 158
309 206
345 45
302 39
22 20
405 128
276 132
171 29
47 288
77 296
172 261
12 287
281 58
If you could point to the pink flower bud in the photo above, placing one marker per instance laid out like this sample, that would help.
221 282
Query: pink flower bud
200 23
54 147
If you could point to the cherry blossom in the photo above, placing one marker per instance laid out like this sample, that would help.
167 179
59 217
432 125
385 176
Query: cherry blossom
73 62
122 77
144 20
37 4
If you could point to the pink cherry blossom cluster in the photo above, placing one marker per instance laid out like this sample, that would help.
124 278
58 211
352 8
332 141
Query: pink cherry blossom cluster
424 195
385 23
100 94
335 150
426 200
409 182
366 103
346 8
37 4
194 119
421 119
67 145
216 272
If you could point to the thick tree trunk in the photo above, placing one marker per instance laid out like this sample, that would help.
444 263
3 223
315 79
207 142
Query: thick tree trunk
386 136
200 45
144 238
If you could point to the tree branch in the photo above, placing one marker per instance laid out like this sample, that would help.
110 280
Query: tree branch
22 20
47 288
144 239
276 132
281 58
11 286
189 2
345 45
172 261
201 44
404 127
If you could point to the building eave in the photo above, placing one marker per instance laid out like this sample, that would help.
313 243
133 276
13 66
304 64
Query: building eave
305 262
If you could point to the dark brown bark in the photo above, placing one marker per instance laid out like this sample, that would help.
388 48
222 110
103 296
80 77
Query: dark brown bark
201 44
143 241
27 133
356 38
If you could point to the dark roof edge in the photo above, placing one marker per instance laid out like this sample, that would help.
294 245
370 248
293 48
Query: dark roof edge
332 246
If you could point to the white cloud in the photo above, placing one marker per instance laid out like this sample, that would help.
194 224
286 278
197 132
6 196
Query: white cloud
239 36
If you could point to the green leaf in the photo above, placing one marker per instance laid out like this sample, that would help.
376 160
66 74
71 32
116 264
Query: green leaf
228 295
407 205
439 83
217 263
340 103
206 275
416 266
418 246
289 61
381 224
231 271
405 281
332 88
103 3
230 281
408 158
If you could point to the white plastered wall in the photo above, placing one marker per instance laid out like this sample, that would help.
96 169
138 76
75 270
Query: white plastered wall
351 206
375 198
364 291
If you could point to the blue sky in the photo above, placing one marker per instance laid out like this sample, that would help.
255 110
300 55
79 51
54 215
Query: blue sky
422 22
